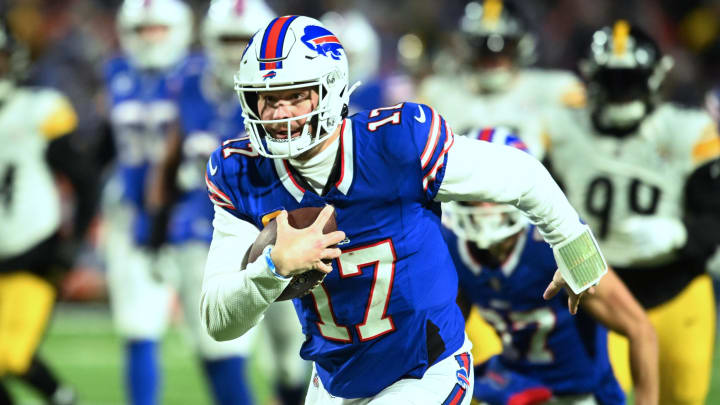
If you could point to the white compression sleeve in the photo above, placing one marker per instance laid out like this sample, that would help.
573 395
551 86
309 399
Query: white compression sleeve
483 171
233 301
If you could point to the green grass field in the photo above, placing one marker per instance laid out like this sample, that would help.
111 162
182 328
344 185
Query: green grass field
83 349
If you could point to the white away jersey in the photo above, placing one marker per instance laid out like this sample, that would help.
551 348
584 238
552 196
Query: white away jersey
29 201
609 179
523 107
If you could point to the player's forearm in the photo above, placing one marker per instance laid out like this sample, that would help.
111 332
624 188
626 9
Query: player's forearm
481 171
233 302
614 307
161 186
644 363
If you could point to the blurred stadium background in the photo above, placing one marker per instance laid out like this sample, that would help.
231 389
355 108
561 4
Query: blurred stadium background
70 39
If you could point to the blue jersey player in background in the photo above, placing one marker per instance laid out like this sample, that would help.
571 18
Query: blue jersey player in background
503 264
383 327
183 215
209 115
155 37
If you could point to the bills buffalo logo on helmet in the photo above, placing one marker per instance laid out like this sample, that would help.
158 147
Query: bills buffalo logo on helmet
322 41
269 75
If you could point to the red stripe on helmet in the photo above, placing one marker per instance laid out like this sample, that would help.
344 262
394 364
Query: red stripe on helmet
486 134
271 45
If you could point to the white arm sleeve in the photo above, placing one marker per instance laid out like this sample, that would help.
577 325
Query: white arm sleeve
233 301
483 171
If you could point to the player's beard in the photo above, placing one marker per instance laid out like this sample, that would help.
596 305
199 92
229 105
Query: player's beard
484 256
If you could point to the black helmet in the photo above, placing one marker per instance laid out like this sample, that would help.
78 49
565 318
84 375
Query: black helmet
495 30
624 69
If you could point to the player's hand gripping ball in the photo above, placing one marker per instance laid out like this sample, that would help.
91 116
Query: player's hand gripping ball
301 284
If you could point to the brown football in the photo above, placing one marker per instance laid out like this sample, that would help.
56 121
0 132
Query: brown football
300 285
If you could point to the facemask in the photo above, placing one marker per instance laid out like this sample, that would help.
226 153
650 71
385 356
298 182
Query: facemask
622 115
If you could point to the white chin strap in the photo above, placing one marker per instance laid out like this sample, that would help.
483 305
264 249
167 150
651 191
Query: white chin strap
286 146
622 115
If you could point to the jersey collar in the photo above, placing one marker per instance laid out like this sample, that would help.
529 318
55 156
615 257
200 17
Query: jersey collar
341 176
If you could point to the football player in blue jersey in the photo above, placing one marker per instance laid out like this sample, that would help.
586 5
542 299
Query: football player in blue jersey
502 263
155 36
209 114
383 326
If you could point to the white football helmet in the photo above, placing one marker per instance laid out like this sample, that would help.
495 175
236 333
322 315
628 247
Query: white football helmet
362 43
226 31
293 52
486 224
157 51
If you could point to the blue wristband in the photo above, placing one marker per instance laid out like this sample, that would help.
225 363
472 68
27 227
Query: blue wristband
271 265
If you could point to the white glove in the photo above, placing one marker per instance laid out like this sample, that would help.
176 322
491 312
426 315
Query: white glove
646 239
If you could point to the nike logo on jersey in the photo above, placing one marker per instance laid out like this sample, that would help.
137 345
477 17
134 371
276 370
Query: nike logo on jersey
421 118
213 170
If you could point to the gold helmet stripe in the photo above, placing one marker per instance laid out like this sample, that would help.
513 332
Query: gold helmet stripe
620 34
491 11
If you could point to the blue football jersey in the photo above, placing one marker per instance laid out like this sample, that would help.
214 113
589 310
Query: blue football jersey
387 310
141 109
541 339
208 117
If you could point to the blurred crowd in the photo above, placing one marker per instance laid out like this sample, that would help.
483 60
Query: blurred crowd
70 38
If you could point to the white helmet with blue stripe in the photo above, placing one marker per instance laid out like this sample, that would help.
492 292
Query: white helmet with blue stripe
293 52
226 31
